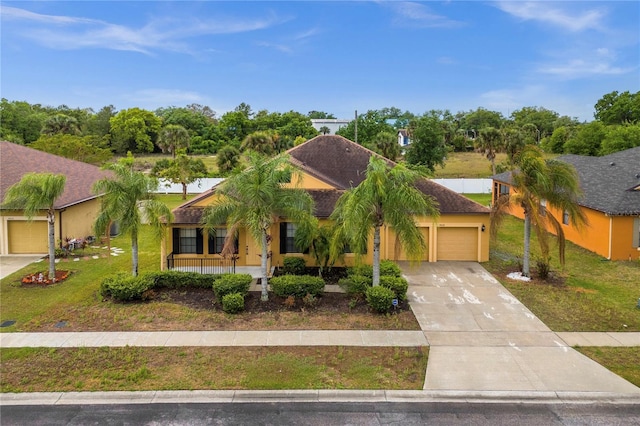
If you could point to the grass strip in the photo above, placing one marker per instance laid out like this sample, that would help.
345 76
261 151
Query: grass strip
189 368
624 361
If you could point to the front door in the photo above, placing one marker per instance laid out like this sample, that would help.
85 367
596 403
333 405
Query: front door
252 251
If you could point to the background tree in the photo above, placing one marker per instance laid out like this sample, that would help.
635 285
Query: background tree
543 119
34 193
620 138
98 124
427 142
88 149
618 108
513 143
260 142
324 130
228 159
134 130
173 137
254 200
587 139
490 142
21 122
386 144
535 180
181 170
60 124
316 238
481 118
321 115
558 139
384 197
129 198
369 125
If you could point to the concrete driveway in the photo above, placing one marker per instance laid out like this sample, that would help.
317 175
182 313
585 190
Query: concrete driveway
482 338
12 263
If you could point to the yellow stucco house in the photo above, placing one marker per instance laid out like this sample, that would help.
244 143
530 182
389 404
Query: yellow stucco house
611 203
330 165
76 208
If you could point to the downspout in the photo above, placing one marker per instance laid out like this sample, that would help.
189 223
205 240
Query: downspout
610 236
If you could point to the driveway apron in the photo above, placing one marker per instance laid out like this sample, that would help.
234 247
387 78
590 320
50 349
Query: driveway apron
483 339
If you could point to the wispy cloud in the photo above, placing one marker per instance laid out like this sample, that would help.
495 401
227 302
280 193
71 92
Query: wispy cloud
578 68
418 15
550 13
280 47
292 43
70 33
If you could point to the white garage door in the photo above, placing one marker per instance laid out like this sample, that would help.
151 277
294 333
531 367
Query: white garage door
27 237
457 244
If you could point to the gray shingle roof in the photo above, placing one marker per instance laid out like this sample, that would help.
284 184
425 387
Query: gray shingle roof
610 184
17 160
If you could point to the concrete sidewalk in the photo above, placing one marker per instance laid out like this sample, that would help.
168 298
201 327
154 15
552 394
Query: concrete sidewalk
313 338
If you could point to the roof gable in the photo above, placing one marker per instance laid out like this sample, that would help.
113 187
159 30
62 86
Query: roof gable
17 160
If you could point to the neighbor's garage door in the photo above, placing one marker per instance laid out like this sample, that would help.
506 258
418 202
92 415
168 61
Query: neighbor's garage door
458 244
27 237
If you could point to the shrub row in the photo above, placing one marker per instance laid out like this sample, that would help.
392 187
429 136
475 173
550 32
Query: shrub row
387 268
124 287
296 285
294 266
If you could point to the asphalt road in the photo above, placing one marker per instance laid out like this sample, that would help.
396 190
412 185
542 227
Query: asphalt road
281 414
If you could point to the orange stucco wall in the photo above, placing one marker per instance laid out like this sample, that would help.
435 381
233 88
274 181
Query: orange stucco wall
608 236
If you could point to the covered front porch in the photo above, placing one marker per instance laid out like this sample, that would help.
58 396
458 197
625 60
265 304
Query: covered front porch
212 266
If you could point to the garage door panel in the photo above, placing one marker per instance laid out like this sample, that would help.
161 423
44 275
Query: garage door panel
398 253
458 244
27 237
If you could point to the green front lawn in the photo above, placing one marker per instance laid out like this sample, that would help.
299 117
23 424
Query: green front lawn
623 361
589 294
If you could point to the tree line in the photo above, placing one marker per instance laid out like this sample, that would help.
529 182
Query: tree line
94 137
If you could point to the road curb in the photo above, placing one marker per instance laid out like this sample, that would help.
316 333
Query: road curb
314 396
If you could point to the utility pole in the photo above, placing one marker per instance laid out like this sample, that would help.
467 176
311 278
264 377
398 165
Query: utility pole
356 141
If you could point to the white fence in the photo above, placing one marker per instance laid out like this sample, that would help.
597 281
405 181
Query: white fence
197 187
467 186
461 186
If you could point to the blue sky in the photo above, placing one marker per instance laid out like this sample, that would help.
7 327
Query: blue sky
329 56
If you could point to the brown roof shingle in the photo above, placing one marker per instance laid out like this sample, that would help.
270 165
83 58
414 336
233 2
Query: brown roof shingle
17 160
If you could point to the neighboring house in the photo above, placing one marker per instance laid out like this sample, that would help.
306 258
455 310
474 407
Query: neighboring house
330 165
76 208
611 203
332 124
403 138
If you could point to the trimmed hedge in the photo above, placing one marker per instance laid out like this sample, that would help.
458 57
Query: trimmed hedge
233 303
178 279
294 266
124 287
356 284
380 298
296 285
398 285
389 268
231 283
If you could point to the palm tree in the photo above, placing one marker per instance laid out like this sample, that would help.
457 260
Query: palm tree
261 142
36 192
61 124
127 199
386 144
538 184
172 138
317 239
227 159
490 141
387 196
254 200
324 130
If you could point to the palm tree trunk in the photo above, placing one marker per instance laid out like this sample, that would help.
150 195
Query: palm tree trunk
376 255
52 244
493 165
263 264
527 244
134 252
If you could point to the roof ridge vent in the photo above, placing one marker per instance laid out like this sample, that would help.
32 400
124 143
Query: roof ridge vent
612 164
